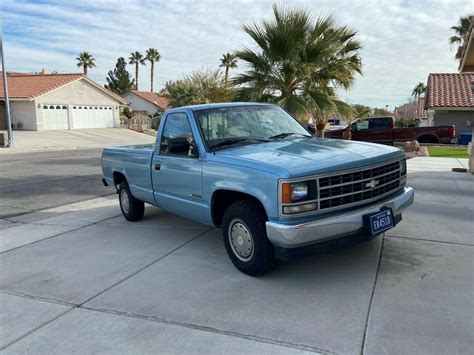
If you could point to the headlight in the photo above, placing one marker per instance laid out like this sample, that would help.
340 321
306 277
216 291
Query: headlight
403 167
294 192
299 191
298 197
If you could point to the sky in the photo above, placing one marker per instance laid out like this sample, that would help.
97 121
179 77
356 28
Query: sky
403 41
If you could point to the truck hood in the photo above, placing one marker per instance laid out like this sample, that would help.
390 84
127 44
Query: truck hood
306 156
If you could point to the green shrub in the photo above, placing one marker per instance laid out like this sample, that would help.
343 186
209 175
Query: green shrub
127 112
155 123
405 122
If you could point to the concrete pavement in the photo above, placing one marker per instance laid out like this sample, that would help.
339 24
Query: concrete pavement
80 279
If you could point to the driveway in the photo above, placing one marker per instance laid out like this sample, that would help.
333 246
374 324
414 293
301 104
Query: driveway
80 279
27 141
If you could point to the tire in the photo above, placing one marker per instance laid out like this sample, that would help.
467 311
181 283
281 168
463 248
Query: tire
132 209
245 238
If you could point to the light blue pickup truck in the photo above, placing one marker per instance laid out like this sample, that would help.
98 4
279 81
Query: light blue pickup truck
254 171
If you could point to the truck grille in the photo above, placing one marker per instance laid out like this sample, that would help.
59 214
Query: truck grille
358 186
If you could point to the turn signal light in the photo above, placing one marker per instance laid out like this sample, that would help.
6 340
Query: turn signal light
286 192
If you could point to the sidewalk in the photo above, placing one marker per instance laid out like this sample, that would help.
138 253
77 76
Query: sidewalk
79 278
421 164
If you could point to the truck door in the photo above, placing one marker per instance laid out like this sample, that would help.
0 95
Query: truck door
177 170
360 131
380 130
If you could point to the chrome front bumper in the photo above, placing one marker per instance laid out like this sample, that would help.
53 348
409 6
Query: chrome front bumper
293 236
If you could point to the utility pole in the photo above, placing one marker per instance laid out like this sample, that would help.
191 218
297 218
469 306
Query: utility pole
5 91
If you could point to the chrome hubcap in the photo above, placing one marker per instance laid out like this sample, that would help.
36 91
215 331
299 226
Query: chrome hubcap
241 240
124 201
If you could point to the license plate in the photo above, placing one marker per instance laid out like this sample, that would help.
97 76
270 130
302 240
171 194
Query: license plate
381 221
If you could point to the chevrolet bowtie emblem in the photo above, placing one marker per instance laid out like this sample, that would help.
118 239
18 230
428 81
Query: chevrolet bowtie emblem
372 183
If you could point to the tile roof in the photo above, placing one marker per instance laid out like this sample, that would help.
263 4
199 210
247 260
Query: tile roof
30 86
27 86
152 97
450 90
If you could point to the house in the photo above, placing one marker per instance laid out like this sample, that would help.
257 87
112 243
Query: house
466 63
58 101
449 97
410 110
146 102
450 100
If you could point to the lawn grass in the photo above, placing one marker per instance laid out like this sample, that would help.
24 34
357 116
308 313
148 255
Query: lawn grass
448 152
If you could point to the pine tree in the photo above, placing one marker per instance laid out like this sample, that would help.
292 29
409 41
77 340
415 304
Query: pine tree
119 80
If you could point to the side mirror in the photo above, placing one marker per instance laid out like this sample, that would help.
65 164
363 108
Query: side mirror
178 145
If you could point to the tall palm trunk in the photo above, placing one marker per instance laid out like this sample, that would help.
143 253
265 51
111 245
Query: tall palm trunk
151 74
320 129
85 70
136 76
347 134
226 76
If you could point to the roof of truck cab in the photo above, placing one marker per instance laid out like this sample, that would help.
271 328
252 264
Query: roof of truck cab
220 105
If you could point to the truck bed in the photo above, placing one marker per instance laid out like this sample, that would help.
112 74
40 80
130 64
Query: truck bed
133 161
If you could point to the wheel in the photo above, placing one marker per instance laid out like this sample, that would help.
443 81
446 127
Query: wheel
245 238
132 209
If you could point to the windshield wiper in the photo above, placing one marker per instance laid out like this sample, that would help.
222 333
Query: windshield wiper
284 135
236 140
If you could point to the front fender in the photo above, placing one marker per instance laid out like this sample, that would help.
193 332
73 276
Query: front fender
241 187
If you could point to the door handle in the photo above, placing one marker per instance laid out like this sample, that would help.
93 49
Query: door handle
157 166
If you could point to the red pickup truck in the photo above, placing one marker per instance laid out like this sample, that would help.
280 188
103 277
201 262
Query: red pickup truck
382 130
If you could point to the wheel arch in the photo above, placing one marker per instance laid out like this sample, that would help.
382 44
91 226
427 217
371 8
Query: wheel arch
428 138
118 176
223 198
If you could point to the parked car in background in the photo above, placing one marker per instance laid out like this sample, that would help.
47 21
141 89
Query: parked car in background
382 130
254 171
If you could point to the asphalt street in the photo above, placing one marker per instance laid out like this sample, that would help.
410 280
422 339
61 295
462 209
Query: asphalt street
37 180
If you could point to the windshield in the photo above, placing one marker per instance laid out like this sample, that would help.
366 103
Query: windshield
227 126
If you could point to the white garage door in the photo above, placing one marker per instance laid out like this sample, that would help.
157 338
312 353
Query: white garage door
55 117
92 116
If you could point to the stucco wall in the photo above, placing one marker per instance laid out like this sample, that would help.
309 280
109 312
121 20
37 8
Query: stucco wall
24 112
79 92
457 118
139 104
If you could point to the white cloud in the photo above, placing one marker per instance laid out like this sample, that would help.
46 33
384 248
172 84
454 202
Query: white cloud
403 40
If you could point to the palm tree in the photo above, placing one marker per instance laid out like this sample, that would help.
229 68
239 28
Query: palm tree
360 111
152 55
300 63
228 61
86 61
325 104
137 59
418 90
460 36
